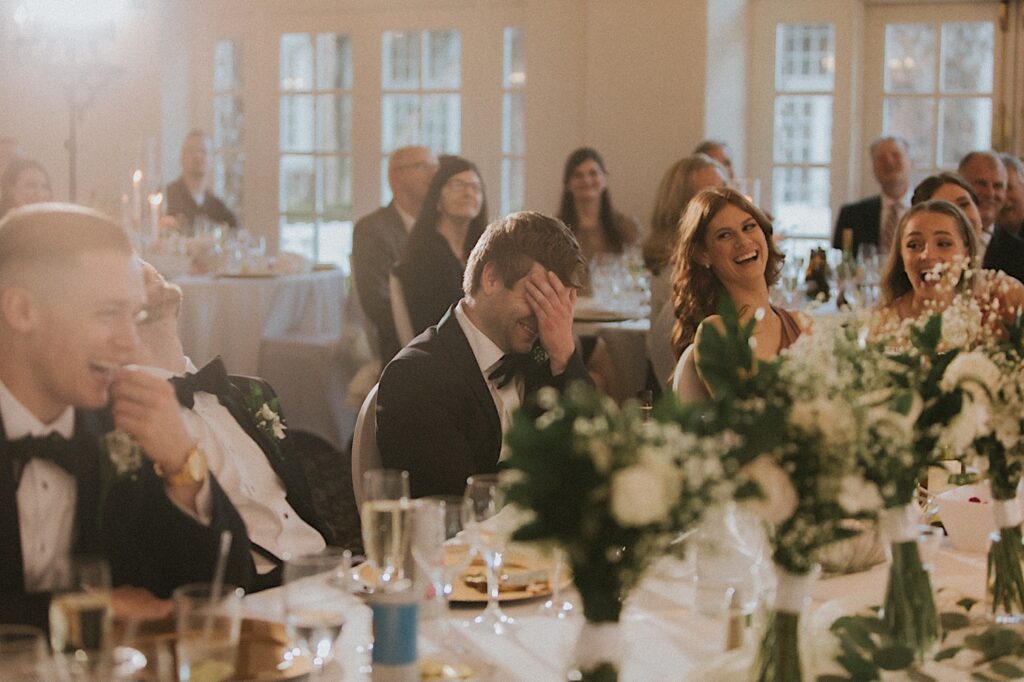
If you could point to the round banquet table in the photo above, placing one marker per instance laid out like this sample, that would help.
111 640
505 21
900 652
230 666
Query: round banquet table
665 638
230 316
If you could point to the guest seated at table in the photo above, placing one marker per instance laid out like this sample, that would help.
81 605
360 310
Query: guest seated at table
240 428
189 197
1006 250
680 183
378 240
453 217
445 400
937 251
24 181
726 247
70 290
719 151
587 207
954 189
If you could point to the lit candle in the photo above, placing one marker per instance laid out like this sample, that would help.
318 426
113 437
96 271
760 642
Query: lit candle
155 204
137 198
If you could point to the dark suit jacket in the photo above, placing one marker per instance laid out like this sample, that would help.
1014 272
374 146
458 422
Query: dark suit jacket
148 542
377 243
181 203
435 415
1005 252
863 217
199 563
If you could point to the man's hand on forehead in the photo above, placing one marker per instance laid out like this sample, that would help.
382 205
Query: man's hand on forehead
552 303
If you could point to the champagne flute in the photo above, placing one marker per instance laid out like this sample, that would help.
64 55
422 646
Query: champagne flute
483 499
314 597
385 522
556 607
81 618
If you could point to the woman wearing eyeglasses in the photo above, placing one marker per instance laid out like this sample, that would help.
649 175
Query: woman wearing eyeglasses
453 217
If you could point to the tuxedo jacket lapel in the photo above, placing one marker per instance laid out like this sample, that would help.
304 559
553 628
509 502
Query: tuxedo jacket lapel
12 570
464 364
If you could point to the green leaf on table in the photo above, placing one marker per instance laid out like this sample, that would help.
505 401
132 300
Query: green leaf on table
916 675
951 620
948 653
982 677
894 657
831 678
859 668
966 603
1007 669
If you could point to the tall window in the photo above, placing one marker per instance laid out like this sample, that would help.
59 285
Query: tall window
315 180
938 89
421 78
802 141
228 117
512 129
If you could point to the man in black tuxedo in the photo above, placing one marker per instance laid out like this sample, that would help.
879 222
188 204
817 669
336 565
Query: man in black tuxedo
239 425
70 293
189 196
379 237
873 220
445 400
1006 249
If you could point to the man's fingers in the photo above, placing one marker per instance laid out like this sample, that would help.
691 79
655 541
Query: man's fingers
537 295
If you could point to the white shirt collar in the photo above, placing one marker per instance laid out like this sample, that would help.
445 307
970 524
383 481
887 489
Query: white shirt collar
407 219
485 351
903 201
20 422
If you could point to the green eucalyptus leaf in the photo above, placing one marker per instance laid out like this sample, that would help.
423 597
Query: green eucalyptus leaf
951 620
966 603
859 668
948 653
1007 669
894 657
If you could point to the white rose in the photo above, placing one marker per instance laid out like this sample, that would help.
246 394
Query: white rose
973 372
639 497
778 496
970 423
858 495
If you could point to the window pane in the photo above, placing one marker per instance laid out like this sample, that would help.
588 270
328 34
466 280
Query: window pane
914 119
909 58
968 51
804 57
228 177
334 243
512 185
803 129
400 121
336 189
333 61
441 119
227 121
514 61
966 125
442 60
296 61
296 188
297 123
297 235
512 124
334 123
800 201
385 188
227 71
401 60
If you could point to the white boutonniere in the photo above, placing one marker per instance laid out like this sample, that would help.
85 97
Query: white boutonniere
124 452
266 414
269 422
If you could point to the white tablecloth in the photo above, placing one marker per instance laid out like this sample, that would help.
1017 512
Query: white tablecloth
665 638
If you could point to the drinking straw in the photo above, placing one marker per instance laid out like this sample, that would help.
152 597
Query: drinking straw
218 581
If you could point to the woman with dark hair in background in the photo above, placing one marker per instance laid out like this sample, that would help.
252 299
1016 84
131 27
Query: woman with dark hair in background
954 189
24 181
453 217
587 209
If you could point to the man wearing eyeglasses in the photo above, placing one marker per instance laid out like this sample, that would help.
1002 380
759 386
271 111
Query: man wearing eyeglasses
379 237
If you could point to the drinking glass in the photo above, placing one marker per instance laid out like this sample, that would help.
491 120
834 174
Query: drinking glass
81 619
23 654
385 484
457 553
556 607
314 594
208 624
483 499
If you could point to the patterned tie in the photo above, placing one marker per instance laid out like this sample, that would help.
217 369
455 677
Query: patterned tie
892 218
212 379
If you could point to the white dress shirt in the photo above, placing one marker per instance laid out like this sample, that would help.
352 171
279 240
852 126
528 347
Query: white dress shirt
247 478
407 219
488 355
46 499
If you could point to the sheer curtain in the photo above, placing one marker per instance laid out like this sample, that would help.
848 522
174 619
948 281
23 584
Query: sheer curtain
1008 133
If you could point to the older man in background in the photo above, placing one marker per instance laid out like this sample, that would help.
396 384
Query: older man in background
719 151
189 196
1006 250
873 220
985 171
379 238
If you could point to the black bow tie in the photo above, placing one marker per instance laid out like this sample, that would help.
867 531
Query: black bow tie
53 447
509 367
212 378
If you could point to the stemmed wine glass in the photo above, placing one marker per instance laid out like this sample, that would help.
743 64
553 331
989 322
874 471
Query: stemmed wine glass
313 609
556 607
483 499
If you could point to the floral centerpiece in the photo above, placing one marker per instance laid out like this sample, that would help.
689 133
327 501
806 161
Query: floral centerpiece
612 489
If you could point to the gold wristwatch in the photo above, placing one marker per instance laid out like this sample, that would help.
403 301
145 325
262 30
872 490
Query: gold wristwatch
192 471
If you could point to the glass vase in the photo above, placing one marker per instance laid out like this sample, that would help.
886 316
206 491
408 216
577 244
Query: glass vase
908 611
1005 559
778 657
